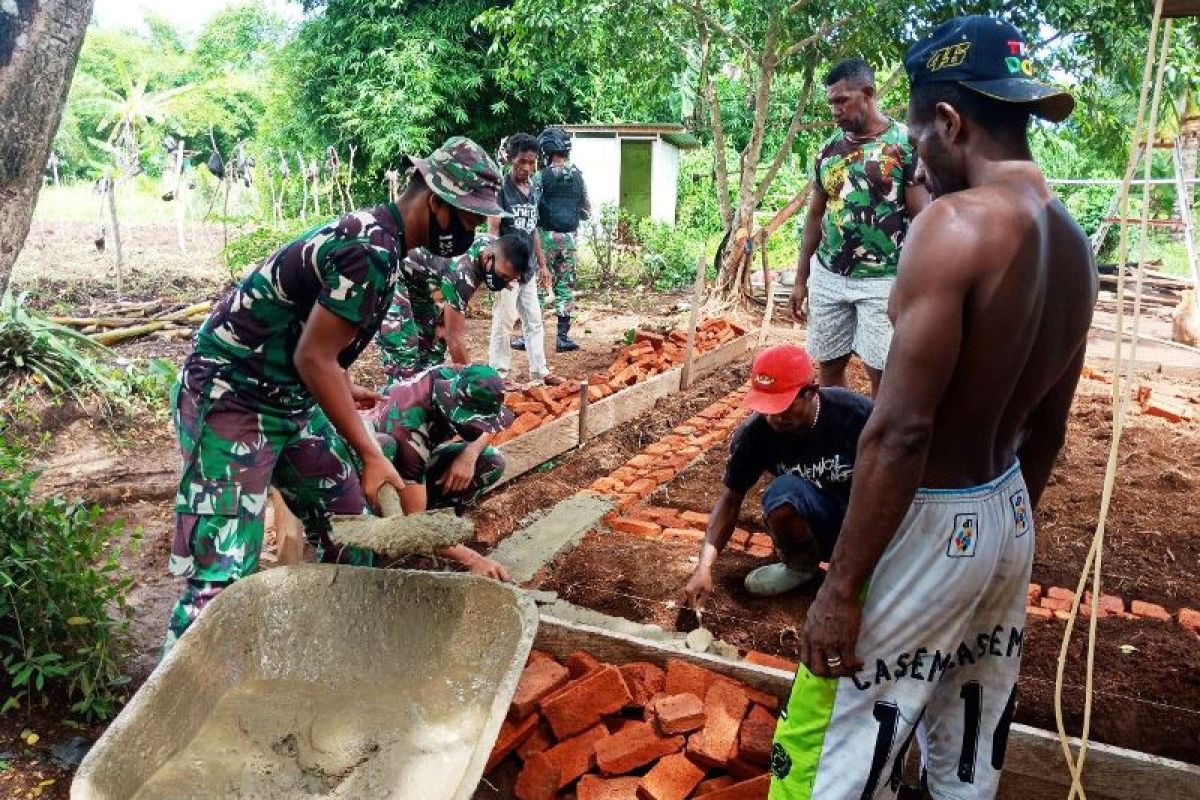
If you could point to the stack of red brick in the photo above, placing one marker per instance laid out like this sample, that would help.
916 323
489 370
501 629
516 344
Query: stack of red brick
673 525
634 732
1054 602
650 354
662 461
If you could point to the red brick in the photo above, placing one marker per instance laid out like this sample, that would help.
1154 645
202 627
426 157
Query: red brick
624 377
663 475
642 487
538 655
753 789
1169 409
1038 613
527 407
511 736
683 430
537 681
1190 619
637 527
677 713
724 706
1035 594
525 423
595 392
650 513
644 680
577 755
683 535
658 449
593 787
635 746
1149 611
768 660
616 724
580 707
1110 605
683 677
672 778
605 485
756 736
713 784
1060 593
539 742
768 701
540 394
760 551
1056 604
640 461
538 779
651 338
696 518
623 474
628 500
581 663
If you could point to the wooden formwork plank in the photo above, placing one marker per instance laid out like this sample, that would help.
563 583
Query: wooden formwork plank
558 436
539 446
1033 770
628 404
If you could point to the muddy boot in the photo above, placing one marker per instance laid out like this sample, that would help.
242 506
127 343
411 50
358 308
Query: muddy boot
776 579
565 344
517 343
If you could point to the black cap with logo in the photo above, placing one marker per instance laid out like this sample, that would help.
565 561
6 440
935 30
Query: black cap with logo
988 56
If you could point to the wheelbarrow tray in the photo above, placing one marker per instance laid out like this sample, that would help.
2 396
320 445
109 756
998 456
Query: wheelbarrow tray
323 681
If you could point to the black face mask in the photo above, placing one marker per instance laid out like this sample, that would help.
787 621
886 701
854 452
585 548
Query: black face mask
492 280
451 241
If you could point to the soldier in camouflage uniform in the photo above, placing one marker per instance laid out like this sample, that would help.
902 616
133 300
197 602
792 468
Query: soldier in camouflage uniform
563 204
428 310
863 196
277 347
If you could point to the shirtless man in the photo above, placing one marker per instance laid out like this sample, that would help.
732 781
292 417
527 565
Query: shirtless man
918 625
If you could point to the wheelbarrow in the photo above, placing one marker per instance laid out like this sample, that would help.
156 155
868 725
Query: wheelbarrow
322 681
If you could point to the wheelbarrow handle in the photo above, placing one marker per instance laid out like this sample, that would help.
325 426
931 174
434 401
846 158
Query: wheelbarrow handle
389 501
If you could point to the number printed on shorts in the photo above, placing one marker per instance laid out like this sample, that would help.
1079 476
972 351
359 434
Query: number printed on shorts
888 717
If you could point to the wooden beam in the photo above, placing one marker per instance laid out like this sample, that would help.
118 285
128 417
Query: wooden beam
693 320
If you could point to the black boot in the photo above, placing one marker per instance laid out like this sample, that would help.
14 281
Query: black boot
565 344
517 343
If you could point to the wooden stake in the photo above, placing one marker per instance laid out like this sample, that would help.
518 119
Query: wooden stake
770 284
112 212
180 208
685 379
583 411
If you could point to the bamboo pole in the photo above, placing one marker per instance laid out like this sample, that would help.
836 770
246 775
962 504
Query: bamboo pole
685 377
132 332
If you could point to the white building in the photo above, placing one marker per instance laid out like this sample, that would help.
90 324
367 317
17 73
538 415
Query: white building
634 166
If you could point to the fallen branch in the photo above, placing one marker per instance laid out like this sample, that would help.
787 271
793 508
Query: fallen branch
132 332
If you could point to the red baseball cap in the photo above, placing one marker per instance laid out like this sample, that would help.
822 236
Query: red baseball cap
776 377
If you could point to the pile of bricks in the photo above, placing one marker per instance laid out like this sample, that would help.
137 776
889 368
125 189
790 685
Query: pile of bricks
634 732
1172 409
1054 602
650 354
659 463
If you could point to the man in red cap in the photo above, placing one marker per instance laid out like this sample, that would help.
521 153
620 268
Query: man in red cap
806 438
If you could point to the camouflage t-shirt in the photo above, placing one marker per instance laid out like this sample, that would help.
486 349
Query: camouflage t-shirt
412 419
865 214
248 343
432 280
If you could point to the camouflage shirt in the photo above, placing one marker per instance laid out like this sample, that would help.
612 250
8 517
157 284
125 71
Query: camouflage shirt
247 345
865 218
432 281
413 418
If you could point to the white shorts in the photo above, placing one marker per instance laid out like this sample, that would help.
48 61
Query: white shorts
848 315
943 622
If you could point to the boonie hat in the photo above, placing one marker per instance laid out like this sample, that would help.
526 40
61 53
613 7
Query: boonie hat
473 399
776 377
988 56
464 175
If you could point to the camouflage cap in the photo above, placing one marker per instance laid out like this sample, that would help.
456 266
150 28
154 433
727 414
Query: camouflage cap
463 175
473 399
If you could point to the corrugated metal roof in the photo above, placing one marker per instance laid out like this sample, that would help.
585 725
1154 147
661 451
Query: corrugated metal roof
677 135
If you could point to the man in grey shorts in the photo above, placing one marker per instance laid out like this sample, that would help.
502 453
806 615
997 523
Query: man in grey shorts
863 198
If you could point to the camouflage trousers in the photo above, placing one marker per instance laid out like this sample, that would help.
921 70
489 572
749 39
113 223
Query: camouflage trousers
231 454
559 250
408 339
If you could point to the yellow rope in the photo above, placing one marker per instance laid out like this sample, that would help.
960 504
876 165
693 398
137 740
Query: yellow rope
1094 559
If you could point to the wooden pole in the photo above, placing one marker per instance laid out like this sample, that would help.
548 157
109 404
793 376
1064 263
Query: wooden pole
180 203
583 411
112 213
685 378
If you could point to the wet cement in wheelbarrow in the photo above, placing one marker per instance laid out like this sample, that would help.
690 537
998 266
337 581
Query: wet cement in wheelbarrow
301 739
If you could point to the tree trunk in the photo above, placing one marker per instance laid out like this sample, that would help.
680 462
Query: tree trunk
39 45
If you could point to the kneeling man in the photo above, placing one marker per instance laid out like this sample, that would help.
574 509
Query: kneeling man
806 438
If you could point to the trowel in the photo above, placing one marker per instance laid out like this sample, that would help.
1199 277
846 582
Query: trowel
395 535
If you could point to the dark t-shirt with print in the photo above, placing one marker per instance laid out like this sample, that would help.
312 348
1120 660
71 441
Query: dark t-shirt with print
524 210
824 455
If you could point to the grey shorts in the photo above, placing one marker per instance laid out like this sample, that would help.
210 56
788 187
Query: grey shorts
848 315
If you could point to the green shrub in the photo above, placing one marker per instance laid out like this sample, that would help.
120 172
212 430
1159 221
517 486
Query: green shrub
64 615
250 248
668 254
